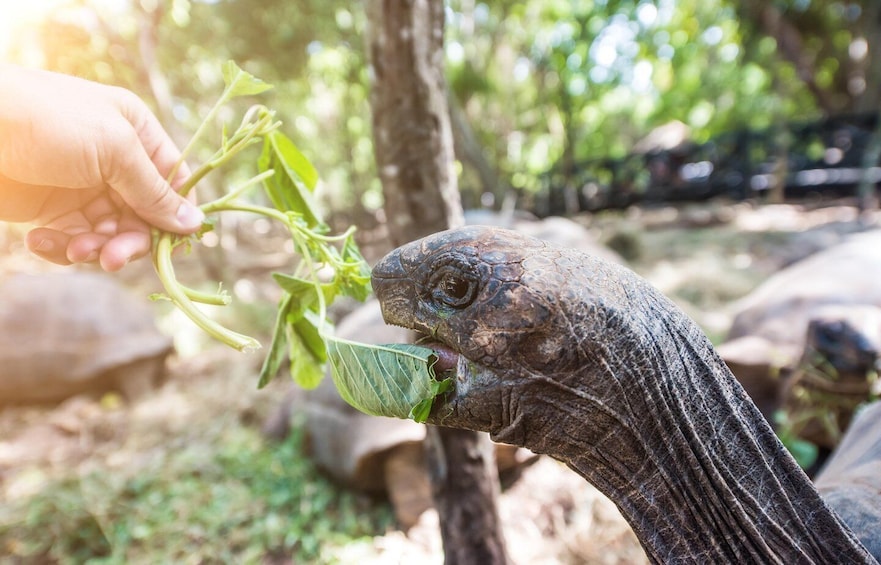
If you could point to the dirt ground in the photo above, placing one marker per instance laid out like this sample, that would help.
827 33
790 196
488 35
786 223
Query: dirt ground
702 256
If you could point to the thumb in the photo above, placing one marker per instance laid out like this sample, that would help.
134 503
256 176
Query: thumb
154 200
136 154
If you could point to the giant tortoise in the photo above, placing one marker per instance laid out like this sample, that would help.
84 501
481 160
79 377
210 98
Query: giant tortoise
74 333
807 340
581 359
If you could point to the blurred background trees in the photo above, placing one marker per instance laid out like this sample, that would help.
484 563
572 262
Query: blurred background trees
535 85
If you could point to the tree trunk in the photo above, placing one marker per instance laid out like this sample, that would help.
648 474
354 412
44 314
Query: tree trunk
414 154
464 483
411 124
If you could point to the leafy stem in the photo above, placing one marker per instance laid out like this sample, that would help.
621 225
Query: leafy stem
225 202
237 83
246 135
178 295
288 179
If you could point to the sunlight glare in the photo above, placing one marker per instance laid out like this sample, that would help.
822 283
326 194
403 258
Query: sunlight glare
20 23
15 19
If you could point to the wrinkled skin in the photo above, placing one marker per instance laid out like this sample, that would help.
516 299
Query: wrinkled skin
568 355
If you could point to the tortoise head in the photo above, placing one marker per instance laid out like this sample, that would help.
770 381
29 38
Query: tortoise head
844 343
518 317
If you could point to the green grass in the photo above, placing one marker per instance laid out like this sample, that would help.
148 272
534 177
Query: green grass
243 501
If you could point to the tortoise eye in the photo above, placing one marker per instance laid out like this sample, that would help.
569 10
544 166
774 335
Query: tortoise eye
452 288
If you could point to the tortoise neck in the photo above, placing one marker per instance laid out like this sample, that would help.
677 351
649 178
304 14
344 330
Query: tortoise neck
688 459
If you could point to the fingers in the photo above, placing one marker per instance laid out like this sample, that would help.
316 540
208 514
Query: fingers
123 248
48 244
134 159
111 253
130 241
157 143
96 232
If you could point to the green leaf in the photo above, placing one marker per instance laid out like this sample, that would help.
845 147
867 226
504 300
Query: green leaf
296 161
295 286
355 276
306 330
241 83
395 380
279 346
355 286
290 188
296 336
303 293
421 411
306 370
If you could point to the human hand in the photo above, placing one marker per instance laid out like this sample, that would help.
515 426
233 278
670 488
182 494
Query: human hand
87 163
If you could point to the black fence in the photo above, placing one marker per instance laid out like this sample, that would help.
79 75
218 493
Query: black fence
813 160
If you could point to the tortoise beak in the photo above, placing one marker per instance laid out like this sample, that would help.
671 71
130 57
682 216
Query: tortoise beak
395 291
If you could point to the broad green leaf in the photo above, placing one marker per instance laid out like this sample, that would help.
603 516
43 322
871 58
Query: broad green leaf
296 161
395 380
290 188
296 336
295 286
279 346
241 83
421 411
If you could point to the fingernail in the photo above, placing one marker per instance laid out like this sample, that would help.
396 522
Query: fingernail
44 246
190 216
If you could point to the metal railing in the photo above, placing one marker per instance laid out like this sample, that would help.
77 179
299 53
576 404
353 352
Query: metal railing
824 158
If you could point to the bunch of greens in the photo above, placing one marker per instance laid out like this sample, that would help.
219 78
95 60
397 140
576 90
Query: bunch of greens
389 380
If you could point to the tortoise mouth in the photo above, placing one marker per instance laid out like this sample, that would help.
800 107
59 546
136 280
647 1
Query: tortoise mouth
447 357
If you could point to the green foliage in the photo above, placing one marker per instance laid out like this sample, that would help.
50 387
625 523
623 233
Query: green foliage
562 82
243 503
290 188
240 83
542 83
289 180
395 380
